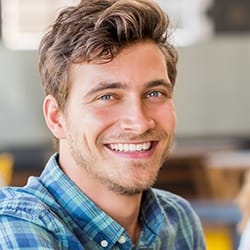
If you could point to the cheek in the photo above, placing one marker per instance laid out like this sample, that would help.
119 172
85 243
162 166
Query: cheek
99 117
97 120
172 118
168 122
165 117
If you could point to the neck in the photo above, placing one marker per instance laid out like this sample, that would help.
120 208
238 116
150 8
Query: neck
123 209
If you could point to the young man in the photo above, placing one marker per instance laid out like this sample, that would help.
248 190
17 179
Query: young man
108 71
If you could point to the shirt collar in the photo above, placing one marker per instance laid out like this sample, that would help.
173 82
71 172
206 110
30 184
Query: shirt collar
151 217
84 216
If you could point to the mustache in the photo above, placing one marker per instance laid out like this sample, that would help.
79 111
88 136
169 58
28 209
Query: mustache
147 136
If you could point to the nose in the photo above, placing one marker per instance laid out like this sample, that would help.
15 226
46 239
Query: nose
136 119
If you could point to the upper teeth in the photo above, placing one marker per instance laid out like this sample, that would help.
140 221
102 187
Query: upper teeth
130 147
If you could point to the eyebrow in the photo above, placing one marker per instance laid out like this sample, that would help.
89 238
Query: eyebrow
118 85
104 86
159 82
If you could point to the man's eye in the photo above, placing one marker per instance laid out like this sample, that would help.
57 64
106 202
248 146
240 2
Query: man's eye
154 94
106 97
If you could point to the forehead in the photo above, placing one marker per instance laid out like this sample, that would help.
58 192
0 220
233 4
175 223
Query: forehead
136 64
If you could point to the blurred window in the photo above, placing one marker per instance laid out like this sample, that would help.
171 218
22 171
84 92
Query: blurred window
190 22
24 21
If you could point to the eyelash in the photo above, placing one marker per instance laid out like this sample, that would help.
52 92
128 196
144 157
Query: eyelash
158 94
150 94
108 97
104 97
153 93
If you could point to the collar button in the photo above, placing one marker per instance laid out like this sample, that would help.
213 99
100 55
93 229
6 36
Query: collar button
104 243
122 239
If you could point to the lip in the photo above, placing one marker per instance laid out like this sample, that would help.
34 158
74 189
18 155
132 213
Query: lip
133 154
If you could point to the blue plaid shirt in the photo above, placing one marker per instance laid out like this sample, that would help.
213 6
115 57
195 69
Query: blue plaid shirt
51 212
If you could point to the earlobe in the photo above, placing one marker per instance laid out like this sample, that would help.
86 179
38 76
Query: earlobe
53 117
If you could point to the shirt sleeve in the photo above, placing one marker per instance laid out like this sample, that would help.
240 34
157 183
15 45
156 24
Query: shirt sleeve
186 224
190 225
21 234
198 233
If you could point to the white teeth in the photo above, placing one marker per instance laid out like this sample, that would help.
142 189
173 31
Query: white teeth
126 147
131 147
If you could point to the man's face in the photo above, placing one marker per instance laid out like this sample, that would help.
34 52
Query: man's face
119 119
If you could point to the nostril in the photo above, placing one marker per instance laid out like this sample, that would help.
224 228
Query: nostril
137 125
151 123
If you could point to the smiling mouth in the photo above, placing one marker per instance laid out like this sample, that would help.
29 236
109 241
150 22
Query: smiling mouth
131 147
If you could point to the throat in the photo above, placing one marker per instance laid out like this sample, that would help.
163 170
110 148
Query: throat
135 235
125 210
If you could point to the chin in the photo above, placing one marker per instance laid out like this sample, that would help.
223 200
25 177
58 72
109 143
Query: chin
129 191
132 189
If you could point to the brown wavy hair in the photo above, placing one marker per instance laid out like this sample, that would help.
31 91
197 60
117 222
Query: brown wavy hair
96 31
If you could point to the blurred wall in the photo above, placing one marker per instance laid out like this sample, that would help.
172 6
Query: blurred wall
213 87
21 95
212 92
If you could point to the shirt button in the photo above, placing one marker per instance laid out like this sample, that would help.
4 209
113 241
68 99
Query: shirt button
122 239
104 243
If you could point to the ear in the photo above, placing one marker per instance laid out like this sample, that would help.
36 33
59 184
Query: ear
53 117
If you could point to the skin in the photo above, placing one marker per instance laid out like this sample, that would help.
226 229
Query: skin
126 101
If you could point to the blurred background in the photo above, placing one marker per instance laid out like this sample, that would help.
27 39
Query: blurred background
211 152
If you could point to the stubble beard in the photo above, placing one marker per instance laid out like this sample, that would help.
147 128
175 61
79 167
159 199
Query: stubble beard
114 184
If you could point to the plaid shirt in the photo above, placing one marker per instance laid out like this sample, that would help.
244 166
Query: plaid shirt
50 212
